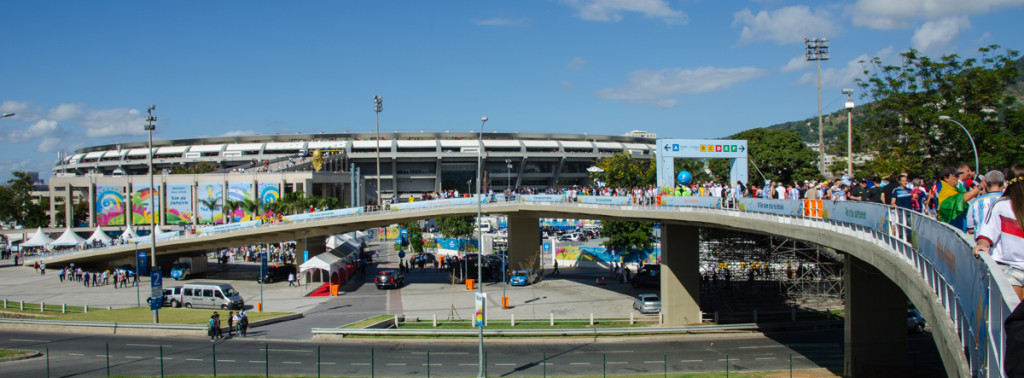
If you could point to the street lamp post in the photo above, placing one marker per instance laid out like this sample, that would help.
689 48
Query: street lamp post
378 106
947 118
150 126
849 131
817 50
508 164
479 240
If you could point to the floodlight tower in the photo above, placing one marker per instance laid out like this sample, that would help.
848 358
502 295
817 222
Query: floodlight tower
817 50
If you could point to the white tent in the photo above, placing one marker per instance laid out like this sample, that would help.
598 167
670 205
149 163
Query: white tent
99 236
68 239
39 239
128 234
329 263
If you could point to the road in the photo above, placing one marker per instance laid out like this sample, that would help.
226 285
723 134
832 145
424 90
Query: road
86 356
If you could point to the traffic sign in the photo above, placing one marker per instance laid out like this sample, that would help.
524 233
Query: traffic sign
156 283
155 303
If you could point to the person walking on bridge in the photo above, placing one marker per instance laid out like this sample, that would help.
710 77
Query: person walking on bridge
1002 234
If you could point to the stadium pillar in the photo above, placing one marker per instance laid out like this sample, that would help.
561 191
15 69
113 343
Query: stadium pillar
523 242
92 204
680 274
315 245
875 326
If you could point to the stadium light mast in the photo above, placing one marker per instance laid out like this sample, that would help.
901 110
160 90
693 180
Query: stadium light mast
378 106
480 243
150 126
849 131
817 50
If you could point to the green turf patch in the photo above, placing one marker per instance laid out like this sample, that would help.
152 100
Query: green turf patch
368 321
13 352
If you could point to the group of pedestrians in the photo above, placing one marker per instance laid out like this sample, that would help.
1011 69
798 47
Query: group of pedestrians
95 279
237 322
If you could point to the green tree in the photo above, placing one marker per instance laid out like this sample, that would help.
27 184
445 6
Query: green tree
456 227
777 155
625 235
197 168
622 170
415 236
901 129
16 205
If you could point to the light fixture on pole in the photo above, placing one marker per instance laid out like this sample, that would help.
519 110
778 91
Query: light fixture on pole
947 118
378 106
849 130
508 164
817 50
150 126
479 240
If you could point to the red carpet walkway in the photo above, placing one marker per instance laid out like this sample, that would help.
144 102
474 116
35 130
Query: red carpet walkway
323 291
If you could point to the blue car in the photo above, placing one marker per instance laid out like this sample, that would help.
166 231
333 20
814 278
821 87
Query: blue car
522 278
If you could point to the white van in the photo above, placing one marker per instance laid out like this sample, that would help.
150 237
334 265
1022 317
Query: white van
211 295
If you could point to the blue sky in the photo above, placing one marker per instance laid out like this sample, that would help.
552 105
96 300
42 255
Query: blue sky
81 73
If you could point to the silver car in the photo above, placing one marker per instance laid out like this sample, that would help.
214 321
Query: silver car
647 303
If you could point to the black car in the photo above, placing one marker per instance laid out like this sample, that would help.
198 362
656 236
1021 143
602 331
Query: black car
277 273
648 276
390 278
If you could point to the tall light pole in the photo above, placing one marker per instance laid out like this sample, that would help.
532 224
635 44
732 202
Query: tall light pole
508 164
150 126
947 118
817 50
378 106
479 241
849 131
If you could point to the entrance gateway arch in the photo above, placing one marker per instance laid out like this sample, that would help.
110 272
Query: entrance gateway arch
671 149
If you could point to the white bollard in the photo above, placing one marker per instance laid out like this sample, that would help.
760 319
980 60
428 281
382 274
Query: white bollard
41 307
396 320
513 320
63 308
591 319
85 309
21 305
552 319
631 318
435 320
661 318
5 302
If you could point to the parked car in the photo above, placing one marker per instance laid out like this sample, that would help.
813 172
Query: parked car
648 276
523 278
277 273
211 295
574 236
647 303
389 278
172 296
915 322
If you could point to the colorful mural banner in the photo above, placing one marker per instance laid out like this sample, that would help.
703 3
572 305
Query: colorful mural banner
543 198
210 193
179 204
712 202
239 191
142 211
110 205
601 254
269 192
605 200
781 207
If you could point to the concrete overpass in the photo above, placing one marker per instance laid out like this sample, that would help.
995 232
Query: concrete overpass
893 256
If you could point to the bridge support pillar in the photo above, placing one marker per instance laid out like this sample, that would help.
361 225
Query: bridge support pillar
876 328
523 242
680 275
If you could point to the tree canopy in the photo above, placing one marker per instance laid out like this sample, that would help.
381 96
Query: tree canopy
902 131
622 170
16 205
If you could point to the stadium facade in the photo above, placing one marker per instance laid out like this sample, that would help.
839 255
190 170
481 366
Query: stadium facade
114 179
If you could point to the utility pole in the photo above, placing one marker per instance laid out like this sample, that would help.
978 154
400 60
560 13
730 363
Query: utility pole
378 106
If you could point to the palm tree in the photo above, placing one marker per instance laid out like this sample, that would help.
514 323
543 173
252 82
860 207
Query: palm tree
212 203
229 208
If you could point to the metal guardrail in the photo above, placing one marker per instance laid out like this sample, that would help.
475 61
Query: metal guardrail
395 332
181 327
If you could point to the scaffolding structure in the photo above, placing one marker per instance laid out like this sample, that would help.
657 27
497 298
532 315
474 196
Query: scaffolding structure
741 272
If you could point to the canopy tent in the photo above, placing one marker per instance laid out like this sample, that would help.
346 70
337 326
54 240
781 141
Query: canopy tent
68 239
335 263
99 236
39 239
128 234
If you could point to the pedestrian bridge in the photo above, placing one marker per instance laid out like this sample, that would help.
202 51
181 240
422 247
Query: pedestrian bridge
922 260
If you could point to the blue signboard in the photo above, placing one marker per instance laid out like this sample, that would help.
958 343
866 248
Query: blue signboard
156 303
156 281
305 256
141 263
263 265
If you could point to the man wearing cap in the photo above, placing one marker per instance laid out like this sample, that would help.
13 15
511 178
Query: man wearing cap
978 207
859 192
953 196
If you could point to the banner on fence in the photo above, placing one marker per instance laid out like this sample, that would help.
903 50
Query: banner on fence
228 227
142 212
781 207
874 216
179 204
543 198
712 202
321 214
210 201
110 205
434 203
605 200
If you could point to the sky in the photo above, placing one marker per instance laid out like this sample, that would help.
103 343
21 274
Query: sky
82 73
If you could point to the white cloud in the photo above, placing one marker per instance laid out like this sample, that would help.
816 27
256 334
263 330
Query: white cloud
50 144
576 64
64 112
796 64
111 122
13 107
785 25
612 10
889 14
843 77
565 85
39 129
499 21
937 36
657 87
